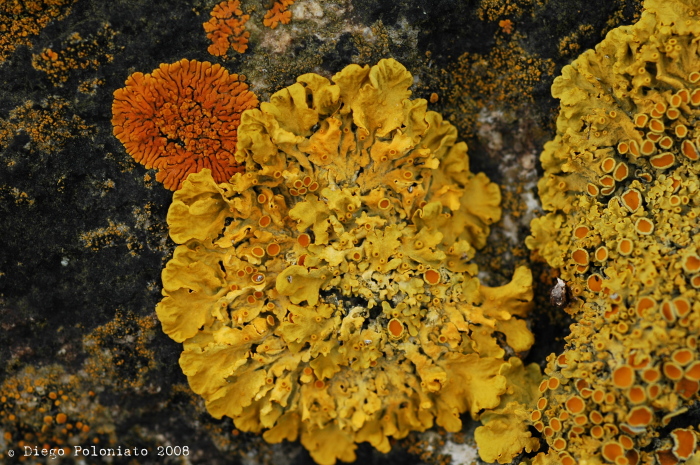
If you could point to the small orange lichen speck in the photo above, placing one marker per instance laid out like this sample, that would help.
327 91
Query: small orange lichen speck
226 28
691 263
672 371
182 118
612 451
632 199
693 371
637 395
608 164
595 282
581 232
395 328
644 226
662 161
432 277
279 13
601 253
506 25
689 150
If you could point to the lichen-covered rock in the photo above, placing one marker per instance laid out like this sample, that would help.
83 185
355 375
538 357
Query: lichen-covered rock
52 408
20 20
621 190
326 293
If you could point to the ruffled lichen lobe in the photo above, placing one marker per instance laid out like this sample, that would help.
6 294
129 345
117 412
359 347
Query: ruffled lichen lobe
620 191
327 293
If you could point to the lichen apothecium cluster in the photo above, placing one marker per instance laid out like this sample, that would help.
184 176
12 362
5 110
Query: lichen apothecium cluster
621 190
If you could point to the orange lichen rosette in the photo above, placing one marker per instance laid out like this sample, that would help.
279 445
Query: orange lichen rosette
327 293
182 118
279 13
621 190
226 28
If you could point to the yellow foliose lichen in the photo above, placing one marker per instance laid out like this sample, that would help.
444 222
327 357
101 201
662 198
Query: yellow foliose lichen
621 190
326 293
505 432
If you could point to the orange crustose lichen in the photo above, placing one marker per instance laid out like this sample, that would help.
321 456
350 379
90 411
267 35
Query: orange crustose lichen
125 366
182 118
50 407
76 53
279 13
21 19
49 125
226 28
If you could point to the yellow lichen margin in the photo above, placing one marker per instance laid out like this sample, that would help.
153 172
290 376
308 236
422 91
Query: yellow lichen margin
621 191
505 431
327 293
